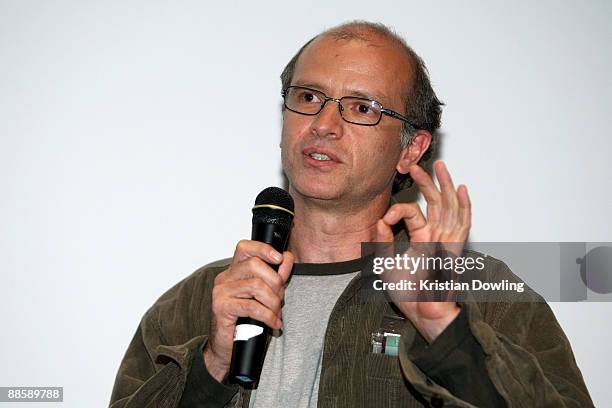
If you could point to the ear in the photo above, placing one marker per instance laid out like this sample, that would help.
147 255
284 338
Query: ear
411 154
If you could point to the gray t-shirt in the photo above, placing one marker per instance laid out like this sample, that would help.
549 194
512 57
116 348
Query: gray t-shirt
292 367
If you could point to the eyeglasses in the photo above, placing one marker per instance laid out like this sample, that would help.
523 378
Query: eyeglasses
353 109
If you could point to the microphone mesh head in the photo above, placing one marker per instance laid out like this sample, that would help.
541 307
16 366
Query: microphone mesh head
275 197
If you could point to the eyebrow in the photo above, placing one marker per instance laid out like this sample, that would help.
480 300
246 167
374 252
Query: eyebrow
353 92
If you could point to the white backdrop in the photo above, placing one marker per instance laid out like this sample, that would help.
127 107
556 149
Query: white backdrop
127 160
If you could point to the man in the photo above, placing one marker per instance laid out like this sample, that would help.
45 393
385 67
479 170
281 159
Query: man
359 117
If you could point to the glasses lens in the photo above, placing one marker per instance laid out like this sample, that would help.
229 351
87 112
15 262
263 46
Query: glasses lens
304 100
361 111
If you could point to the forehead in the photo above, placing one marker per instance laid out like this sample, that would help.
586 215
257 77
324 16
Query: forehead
376 68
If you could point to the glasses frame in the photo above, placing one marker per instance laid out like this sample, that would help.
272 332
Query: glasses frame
326 99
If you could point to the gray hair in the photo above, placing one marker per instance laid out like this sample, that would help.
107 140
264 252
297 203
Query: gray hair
422 106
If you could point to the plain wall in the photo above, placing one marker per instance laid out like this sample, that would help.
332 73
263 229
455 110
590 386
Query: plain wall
128 158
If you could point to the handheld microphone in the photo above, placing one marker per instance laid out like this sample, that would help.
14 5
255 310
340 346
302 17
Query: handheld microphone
272 218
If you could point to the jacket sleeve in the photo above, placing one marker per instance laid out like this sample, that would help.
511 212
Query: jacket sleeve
456 361
163 365
528 358
202 389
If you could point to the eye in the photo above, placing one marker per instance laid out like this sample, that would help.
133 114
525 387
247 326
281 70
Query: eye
363 109
307 96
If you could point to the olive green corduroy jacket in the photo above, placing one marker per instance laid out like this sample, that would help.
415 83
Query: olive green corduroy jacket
528 357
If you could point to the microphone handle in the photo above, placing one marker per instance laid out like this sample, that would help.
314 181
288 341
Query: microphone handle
251 335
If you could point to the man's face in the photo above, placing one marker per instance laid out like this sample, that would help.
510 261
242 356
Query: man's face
364 158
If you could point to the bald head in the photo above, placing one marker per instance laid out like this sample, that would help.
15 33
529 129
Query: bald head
375 34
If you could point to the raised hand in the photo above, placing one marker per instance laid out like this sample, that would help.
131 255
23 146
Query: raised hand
448 222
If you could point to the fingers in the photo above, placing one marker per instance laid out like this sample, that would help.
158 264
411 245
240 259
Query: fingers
255 310
252 259
251 287
465 208
449 196
246 298
253 298
383 232
431 193
256 268
448 222
285 268
448 209
410 212
248 249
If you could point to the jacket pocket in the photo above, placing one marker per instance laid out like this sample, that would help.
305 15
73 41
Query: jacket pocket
385 384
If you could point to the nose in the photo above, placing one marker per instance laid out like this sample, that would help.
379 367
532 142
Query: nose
328 122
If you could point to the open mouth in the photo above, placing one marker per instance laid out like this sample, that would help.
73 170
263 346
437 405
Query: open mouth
319 156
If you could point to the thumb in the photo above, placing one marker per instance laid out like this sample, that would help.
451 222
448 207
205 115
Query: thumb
286 267
383 232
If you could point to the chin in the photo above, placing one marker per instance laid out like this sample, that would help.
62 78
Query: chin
316 190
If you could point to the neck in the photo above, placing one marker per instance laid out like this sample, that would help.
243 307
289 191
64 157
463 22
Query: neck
328 232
